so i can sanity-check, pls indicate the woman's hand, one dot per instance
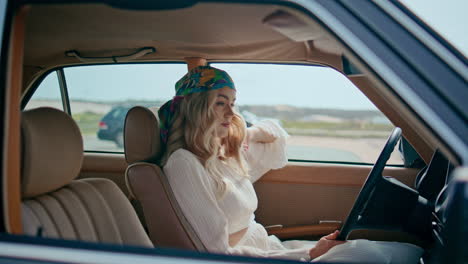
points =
(255, 134)
(324, 244)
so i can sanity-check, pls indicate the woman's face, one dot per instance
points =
(224, 104)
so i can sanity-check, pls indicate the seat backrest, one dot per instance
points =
(54, 205)
(167, 225)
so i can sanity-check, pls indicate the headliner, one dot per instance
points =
(215, 31)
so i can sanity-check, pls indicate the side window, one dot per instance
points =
(100, 97)
(327, 117)
(47, 94)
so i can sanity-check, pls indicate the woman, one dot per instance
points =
(211, 160)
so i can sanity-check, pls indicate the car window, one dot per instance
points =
(326, 116)
(47, 94)
(100, 97)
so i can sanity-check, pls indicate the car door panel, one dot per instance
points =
(307, 194)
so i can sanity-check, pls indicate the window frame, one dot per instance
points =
(64, 96)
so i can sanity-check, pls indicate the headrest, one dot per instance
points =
(142, 141)
(52, 151)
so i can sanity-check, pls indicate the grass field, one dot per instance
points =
(88, 122)
(346, 125)
(347, 129)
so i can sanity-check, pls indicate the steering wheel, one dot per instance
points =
(374, 177)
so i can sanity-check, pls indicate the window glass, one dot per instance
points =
(100, 97)
(47, 94)
(327, 117)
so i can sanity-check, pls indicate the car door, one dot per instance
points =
(309, 200)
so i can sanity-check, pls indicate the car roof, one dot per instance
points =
(212, 31)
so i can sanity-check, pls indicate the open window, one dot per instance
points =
(327, 116)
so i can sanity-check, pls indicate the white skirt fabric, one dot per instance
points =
(353, 251)
(366, 251)
(256, 242)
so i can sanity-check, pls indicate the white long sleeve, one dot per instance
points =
(262, 157)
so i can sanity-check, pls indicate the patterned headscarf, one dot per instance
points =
(199, 79)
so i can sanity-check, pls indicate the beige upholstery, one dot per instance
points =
(147, 183)
(139, 141)
(56, 206)
(48, 163)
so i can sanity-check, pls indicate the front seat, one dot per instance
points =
(146, 182)
(54, 205)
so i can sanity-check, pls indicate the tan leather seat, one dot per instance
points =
(165, 221)
(57, 206)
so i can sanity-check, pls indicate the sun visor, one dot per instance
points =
(292, 26)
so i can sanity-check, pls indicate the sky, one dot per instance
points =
(316, 87)
(303, 86)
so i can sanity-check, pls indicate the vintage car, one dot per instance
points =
(374, 101)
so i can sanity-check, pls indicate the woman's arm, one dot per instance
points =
(257, 135)
(266, 148)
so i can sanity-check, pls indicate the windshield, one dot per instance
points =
(447, 17)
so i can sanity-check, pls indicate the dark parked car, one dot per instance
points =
(111, 125)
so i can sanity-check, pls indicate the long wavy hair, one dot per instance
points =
(194, 129)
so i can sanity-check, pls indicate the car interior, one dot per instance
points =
(91, 209)
(57, 189)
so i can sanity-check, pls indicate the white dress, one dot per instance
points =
(213, 218)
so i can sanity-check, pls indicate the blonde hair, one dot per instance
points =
(194, 129)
